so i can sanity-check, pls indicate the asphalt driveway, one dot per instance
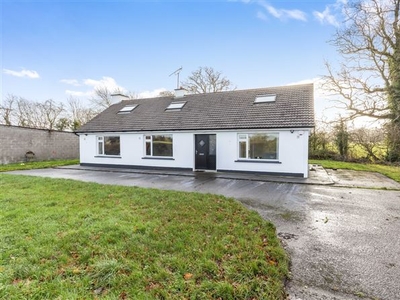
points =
(344, 240)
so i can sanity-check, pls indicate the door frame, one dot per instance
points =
(207, 169)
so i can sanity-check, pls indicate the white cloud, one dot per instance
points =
(272, 10)
(79, 94)
(281, 14)
(107, 82)
(295, 14)
(73, 82)
(151, 94)
(326, 17)
(261, 16)
(331, 13)
(93, 84)
(284, 14)
(23, 73)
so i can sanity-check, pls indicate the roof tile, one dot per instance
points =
(293, 108)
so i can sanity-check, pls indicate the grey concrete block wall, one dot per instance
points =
(46, 144)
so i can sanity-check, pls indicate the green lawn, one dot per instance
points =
(389, 171)
(38, 165)
(64, 239)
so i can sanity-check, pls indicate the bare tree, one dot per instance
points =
(166, 94)
(320, 138)
(368, 81)
(45, 115)
(79, 114)
(26, 114)
(102, 98)
(50, 112)
(33, 114)
(7, 110)
(370, 140)
(207, 80)
(63, 124)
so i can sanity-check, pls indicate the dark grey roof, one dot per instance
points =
(293, 108)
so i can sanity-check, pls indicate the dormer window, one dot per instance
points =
(176, 105)
(127, 109)
(265, 98)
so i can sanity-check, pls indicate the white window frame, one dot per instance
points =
(245, 137)
(265, 98)
(100, 140)
(176, 105)
(148, 138)
(127, 109)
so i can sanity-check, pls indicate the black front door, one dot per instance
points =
(205, 151)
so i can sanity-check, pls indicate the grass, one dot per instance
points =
(38, 165)
(392, 172)
(64, 239)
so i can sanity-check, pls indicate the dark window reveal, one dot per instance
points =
(159, 145)
(108, 145)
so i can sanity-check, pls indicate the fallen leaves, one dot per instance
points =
(25, 282)
(272, 262)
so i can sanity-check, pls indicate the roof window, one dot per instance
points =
(127, 109)
(176, 105)
(265, 98)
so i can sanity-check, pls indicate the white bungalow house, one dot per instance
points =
(262, 130)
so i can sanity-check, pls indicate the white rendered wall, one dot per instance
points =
(133, 150)
(293, 152)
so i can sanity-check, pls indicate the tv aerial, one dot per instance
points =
(176, 72)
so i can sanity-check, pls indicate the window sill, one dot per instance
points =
(262, 161)
(107, 156)
(158, 158)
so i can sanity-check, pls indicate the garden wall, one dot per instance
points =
(16, 141)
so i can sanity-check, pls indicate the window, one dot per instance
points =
(258, 146)
(265, 98)
(176, 105)
(159, 145)
(127, 109)
(108, 145)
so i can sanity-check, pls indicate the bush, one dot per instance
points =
(323, 154)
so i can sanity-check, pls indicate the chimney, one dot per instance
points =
(180, 93)
(116, 98)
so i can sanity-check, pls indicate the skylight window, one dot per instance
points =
(265, 98)
(176, 105)
(127, 109)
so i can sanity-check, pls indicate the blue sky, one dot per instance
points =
(55, 49)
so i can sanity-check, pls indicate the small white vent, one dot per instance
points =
(176, 105)
(127, 109)
(265, 98)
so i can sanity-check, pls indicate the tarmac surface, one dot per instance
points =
(340, 228)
